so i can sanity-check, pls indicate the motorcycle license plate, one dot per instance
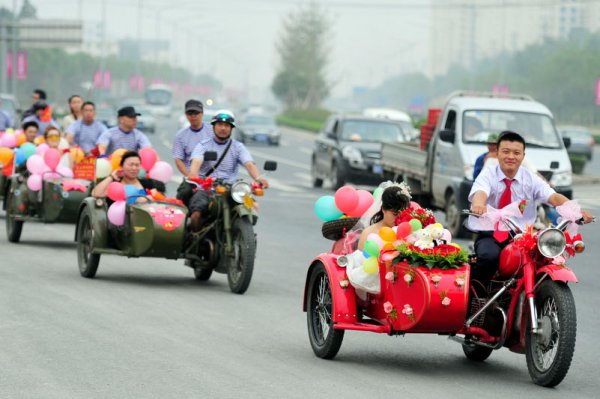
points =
(262, 137)
(377, 169)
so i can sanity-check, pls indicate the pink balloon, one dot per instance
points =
(52, 158)
(414, 205)
(34, 182)
(149, 157)
(8, 140)
(116, 191)
(116, 212)
(404, 229)
(365, 200)
(49, 176)
(346, 199)
(446, 235)
(65, 171)
(376, 238)
(41, 149)
(161, 171)
(36, 164)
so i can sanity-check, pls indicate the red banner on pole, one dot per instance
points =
(98, 79)
(106, 79)
(9, 62)
(22, 65)
(140, 83)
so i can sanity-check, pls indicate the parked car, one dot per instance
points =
(582, 140)
(400, 117)
(259, 128)
(106, 115)
(146, 122)
(348, 149)
(10, 105)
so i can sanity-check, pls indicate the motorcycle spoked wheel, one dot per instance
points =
(13, 227)
(550, 352)
(241, 265)
(324, 339)
(86, 260)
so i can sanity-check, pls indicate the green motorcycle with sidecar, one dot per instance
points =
(159, 229)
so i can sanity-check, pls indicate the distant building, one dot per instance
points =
(466, 31)
(49, 33)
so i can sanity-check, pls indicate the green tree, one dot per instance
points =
(28, 11)
(300, 82)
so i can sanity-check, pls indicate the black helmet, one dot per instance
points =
(223, 116)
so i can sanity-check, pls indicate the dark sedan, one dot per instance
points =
(582, 140)
(258, 128)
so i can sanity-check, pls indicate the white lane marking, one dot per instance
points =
(280, 159)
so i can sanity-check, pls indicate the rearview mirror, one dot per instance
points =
(210, 156)
(331, 135)
(270, 166)
(567, 141)
(447, 135)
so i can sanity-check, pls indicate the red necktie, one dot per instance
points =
(505, 199)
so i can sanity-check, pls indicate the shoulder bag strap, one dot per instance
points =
(215, 166)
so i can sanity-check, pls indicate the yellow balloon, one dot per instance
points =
(437, 225)
(39, 140)
(103, 168)
(77, 154)
(454, 245)
(387, 234)
(115, 158)
(371, 265)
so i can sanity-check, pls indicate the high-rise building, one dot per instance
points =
(464, 32)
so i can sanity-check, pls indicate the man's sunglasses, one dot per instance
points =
(192, 113)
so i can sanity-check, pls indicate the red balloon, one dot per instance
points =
(414, 205)
(403, 230)
(148, 157)
(346, 199)
(365, 200)
(116, 191)
(52, 158)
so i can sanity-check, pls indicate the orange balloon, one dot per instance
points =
(388, 246)
(21, 139)
(6, 155)
(39, 140)
(77, 154)
(115, 158)
(387, 234)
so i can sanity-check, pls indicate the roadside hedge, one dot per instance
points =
(311, 120)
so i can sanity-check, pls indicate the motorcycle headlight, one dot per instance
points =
(551, 243)
(561, 179)
(239, 191)
(352, 154)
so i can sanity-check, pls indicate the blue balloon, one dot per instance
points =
(28, 149)
(326, 210)
(366, 254)
(20, 157)
(142, 173)
(131, 190)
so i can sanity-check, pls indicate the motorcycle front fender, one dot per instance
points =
(242, 212)
(343, 295)
(558, 273)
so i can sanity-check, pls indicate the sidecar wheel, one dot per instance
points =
(202, 273)
(324, 339)
(476, 353)
(13, 227)
(86, 260)
(241, 265)
(549, 353)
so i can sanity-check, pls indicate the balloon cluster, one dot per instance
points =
(347, 202)
(116, 211)
(151, 166)
(44, 165)
(9, 140)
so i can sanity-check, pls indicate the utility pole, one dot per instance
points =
(3, 41)
(14, 32)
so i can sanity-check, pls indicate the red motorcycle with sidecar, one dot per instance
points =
(527, 307)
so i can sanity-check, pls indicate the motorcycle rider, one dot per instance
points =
(228, 160)
(125, 135)
(501, 185)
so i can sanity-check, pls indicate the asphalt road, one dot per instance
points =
(145, 328)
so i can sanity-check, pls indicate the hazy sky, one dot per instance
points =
(235, 39)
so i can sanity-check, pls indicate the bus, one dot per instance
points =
(159, 99)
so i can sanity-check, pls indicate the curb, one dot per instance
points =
(585, 179)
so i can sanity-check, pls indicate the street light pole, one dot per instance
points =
(14, 50)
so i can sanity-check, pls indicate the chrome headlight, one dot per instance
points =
(239, 191)
(352, 154)
(551, 243)
(561, 179)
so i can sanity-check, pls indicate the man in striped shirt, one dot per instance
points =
(125, 135)
(237, 154)
(85, 132)
(39, 108)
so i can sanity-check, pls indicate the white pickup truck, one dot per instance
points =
(441, 176)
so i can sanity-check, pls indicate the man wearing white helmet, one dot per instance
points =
(230, 155)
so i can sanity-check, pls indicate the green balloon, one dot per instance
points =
(377, 193)
(415, 224)
(372, 248)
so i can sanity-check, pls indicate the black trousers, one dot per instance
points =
(488, 251)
